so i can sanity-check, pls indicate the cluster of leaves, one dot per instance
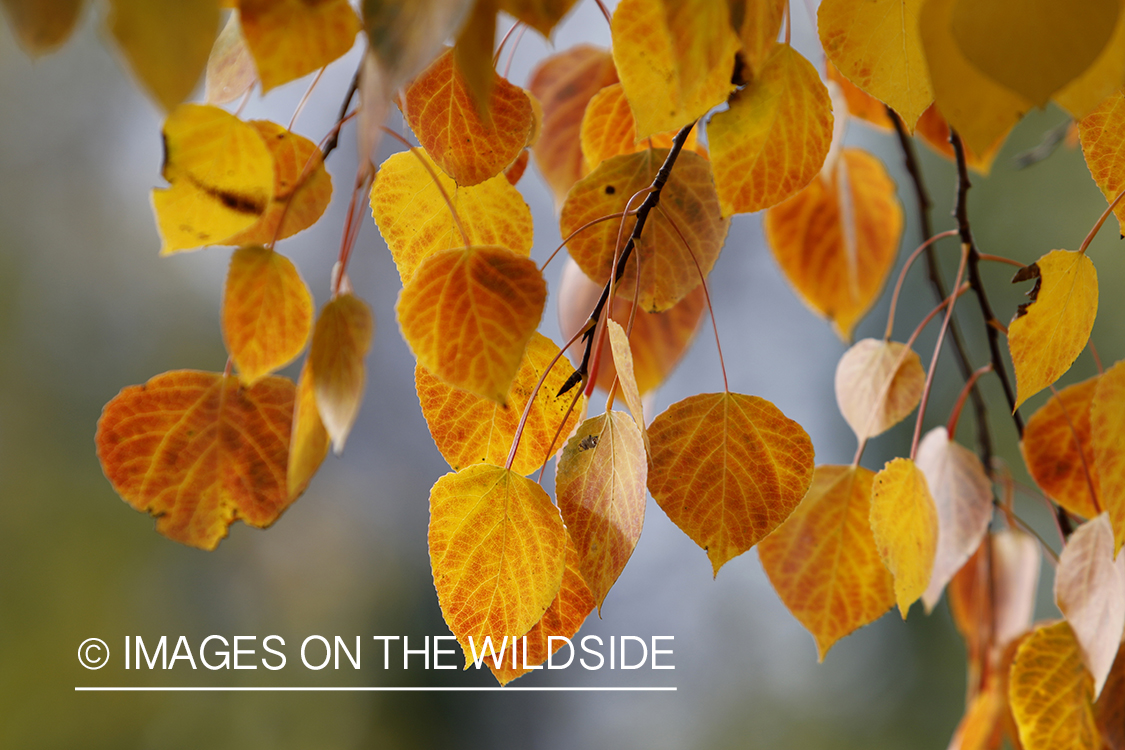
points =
(645, 204)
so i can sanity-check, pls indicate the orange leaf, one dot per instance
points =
(199, 451)
(1049, 333)
(1051, 693)
(340, 342)
(309, 440)
(688, 201)
(40, 26)
(230, 67)
(878, 383)
(728, 469)
(1110, 708)
(513, 173)
(773, 139)
(623, 364)
(905, 525)
(291, 38)
(416, 222)
(440, 110)
(836, 240)
(823, 562)
(1103, 140)
(934, 132)
(1107, 428)
(758, 23)
(541, 15)
(498, 552)
(608, 129)
(980, 727)
(1058, 451)
(468, 314)
(470, 429)
(267, 312)
(860, 104)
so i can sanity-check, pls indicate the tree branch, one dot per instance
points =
(335, 140)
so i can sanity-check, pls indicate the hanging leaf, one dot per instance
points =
(292, 38)
(728, 469)
(340, 342)
(980, 727)
(199, 451)
(758, 22)
(309, 442)
(1110, 709)
(230, 67)
(1107, 429)
(473, 50)
(1103, 138)
(608, 129)
(823, 561)
(878, 383)
(41, 26)
(513, 173)
(1084, 93)
(905, 525)
(861, 105)
(623, 364)
(934, 132)
(541, 15)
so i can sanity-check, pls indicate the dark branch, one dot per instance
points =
(335, 140)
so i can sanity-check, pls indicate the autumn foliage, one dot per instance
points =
(701, 111)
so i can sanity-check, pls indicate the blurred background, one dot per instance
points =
(87, 307)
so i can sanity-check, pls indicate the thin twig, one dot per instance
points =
(335, 141)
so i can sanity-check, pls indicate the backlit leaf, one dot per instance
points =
(440, 110)
(836, 240)
(823, 561)
(498, 553)
(221, 175)
(470, 429)
(601, 490)
(230, 67)
(772, 140)
(198, 451)
(860, 104)
(1049, 333)
(292, 38)
(623, 363)
(340, 341)
(905, 525)
(1084, 93)
(42, 25)
(688, 200)
(608, 129)
(962, 495)
(515, 171)
(468, 314)
(267, 312)
(416, 222)
(1051, 692)
(674, 58)
(1107, 429)
(878, 383)
(1103, 139)
(309, 440)
(758, 22)
(934, 132)
(728, 469)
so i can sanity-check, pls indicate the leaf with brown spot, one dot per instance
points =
(292, 38)
(230, 67)
(905, 525)
(199, 451)
(340, 342)
(608, 129)
(309, 443)
(878, 383)
(1107, 429)
(41, 26)
(728, 469)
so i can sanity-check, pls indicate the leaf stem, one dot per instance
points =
(352, 226)
(902, 276)
(579, 230)
(1105, 215)
(305, 99)
(605, 12)
(340, 118)
(1001, 259)
(955, 415)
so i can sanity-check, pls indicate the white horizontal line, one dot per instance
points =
(367, 689)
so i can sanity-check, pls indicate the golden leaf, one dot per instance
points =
(292, 38)
(340, 341)
(905, 525)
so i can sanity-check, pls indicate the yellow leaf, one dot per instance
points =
(601, 490)
(166, 43)
(878, 383)
(688, 200)
(468, 314)
(608, 129)
(860, 104)
(1107, 429)
(267, 312)
(230, 67)
(1101, 79)
(934, 132)
(197, 450)
(728, 469)
(470, 429)
(498, 553)
(1049, 332)
(675, 59)
(823, 561)
(876, 45)
(291, 38)
(1103, 140)
(309, 440)
(1052, 693)
(773, 139)
(623, 363)
(836, 240)
(1059, 452)
(221, 175)
(41, 26)
(758, 23)
(340, 341)
(416, 222)
(905, 524)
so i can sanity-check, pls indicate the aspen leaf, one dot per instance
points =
(876, 45)
(416, 222)
(440, 110)
(758, 22)
(292, 38)
(878, 383)
(41, 26)
(340, 341)
(1090, 592)
(728, 469)
(468, 314)
(608, 129)
(1049, 332)
(267, 312)
(563, 618)
(934, 132)
(309, 440)
(962, 495)
(836, 240)
(861, 105)
(166, 43)
(1110, 708)
(470, 429)
(823, 562)
(1051, 692)
(230, 69)
(623, 363)
(1105, 76)
(472, 53)
(541, 15)
(514, 173)
(600, 485)
(904, 522)
(221, 175)
(772, 140)
(1058, 450)
(688, 200)
(674, 58)
(979, 728)
(498, 553)
(1107, 429)
(1103, 138)
(564, 83)
(198, 451)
